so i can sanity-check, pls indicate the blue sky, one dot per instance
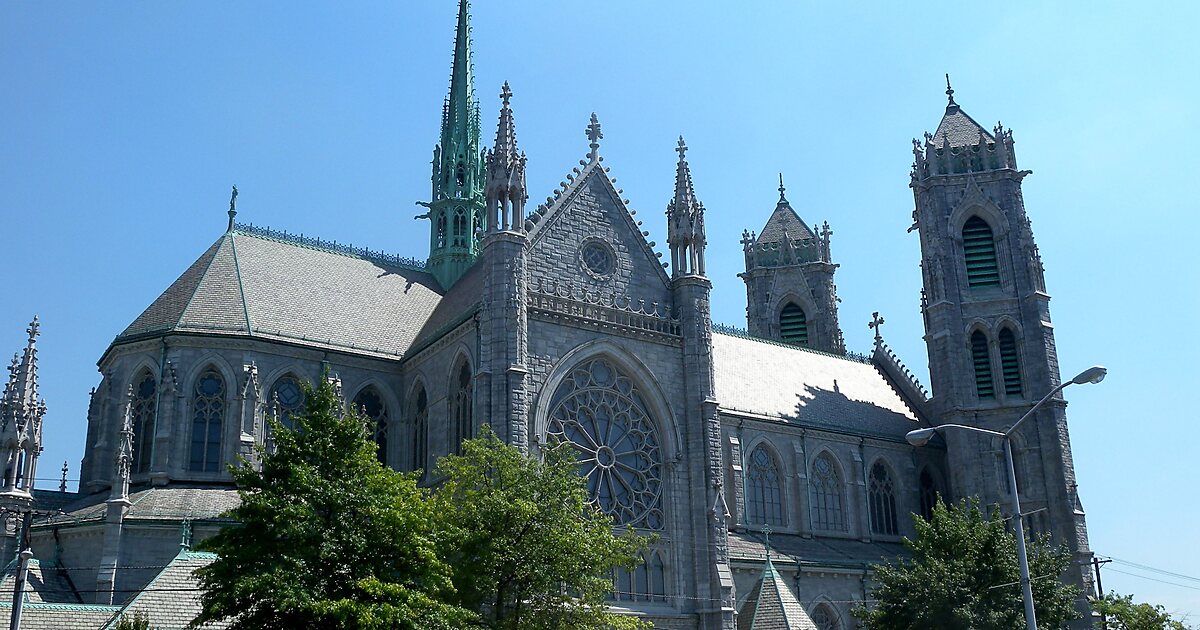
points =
(122, 127)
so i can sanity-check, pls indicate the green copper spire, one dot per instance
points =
(456, 210)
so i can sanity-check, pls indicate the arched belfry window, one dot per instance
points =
(764, 503)
(420, 430)
(646, 583)
(828, 495)
(981, 358)
(882, 497)
(793, 324)
(370, 404)
(1009, 363)
(208, 417)
(824, 617)
(461, 406)
(441, 229)
(460, 227)
(930, 493)
(979, 249)
(142, 411)
(288, 394)
(599, 410)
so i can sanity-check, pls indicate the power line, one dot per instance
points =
(1155, 570)
(1146, 577)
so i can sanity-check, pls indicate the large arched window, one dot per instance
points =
(208, 416)
(930, 493)
(824, 617)
(793, 324)
(420, 430)
(979, 249)
(142, 411)
(370, 404)
(287, 399)
(460, 407)
(646, 583)
(981, 358)
(765, 500)
(882, 497)
(602, 414)
(1009, 364)
(827, 495)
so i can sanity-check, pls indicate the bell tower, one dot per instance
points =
(456, 211)
(987, 328)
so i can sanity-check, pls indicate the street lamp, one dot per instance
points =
(921, 437)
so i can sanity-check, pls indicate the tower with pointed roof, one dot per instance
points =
(21, 414)
(790, 293)
(987, 326)
(456, 210)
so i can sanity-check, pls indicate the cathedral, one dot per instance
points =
(770, 462)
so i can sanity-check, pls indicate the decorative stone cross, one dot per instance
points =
(766, 531)
(876, 323)
(681, 149)
(595, 136)
(505, 94)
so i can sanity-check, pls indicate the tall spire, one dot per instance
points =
(21, 414)
(685, 221)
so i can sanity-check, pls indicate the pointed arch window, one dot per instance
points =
(979, 249)
(421, 430)
(143, 409)
(765, 500)
(981, 357)
(882, 497)
(824, 617)
(1009, 364)
(793, 324)
(460, 227)
(287, 399)
(828, 495)
(646, 583)
(208, 419)
(930, 494)
(460, 409)
(370, 404)
(441, 229)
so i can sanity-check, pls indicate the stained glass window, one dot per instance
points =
(602, 414)
(882, 497)
(646, 583)
(208, 415)
(290, 397)
(142, 409)
(929, 493)
(827, 495)
(765, 500)
(370, 404)
(825, 618)
(421, 430)
(464, 427)
(597, 258)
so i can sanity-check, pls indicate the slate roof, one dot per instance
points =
(959, 128)
(458, 304)
(806, 387)
(784, 220)
(154, 503)
(821, 551)
(772, 606)
(44, 583)
(172, 599)
(257, 283)
(36, 616)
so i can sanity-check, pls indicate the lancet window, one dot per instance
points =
(828, 495)
(461, 406)
(646, 583)
(979, 250)
(882, 497)
(142, 409)
(765, 500)
(793, 324)
(370, 404)
(208, 418)
(421, 430)
(825, 618)
(1009, 364)
(929, 493)
(604, 416)
(289, 395)
(981, 357)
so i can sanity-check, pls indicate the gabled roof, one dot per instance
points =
(959, 129)
(784, 221)
(172, 599)
(807, 387)
(173, 503)
(772, 606)
(255, 282)
(45, 583)
(41, 616)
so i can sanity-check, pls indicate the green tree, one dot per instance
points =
(139, 621)
(326, 536)
(963, 575)
(1121, 613)
(529, 551)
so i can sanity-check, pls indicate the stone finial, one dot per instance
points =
(782, 190)
(232, 207)
(62, 482)
(595, 135)
(185, 535)
(950, 93)
(876, 325)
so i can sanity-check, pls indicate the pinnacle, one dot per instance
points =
(685, 193)
(506, 133)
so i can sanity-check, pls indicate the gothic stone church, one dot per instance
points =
(560, 320)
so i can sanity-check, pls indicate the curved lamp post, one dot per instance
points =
(921, 437)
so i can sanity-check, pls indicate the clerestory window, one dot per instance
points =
(370, 404)
(827, 495)
(882, 496)
(208, 417)
(765, 501)
(143, 410)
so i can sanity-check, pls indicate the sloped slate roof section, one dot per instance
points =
(246, 284)
(172, 599)
(772, 606)
(155, 503)
(806, 387)
(784, 220)
(38, 616)
(45, 583)
(959, 129)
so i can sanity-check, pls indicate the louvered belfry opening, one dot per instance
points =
(983, 365)
(979, 248)
(793, 324)
(1009, 363)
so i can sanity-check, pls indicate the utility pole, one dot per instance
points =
(24, 554)
(1096, 563)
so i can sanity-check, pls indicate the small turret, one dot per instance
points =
(685, 222)
(21, 414)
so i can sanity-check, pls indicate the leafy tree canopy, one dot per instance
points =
(527, 548)
(327, 537)
(1121, 613)
(964, 575)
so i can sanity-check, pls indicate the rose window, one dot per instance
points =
(600, 412)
